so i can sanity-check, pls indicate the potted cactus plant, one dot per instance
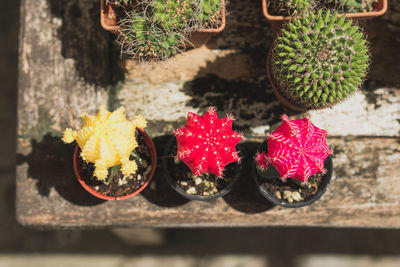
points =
(278, 11)
(114, 158)
(317, 61)
(294, 166)
(201, 161)
(159, 29)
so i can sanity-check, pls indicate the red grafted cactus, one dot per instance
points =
(206, 144)
(297, 149)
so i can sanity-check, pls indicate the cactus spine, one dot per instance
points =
(145, 41)
(319, 59)
(354, 6)
(296, 7)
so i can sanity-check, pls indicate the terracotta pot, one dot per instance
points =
(171, 177)
(95, 193)
(109, 20)
(260, 181)
(277, 21)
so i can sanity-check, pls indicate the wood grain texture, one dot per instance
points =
(68, 66)
(364, 192)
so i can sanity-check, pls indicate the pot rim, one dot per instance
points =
(152, 149)
(382, 8)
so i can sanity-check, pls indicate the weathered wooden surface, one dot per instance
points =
(69, 65)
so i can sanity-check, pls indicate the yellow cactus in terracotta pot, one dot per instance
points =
(106, 140)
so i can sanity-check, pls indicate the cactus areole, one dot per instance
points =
(319, 59)
(297, 149)
(206, 144)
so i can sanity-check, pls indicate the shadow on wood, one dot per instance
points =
(86, 42)
(159, 191)
(245, 196)
(249, 102)
(50, 164)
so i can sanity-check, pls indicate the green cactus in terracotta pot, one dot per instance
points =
(159, 29)
(319, 59)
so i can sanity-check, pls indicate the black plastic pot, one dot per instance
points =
(168, 156)
(260, 181)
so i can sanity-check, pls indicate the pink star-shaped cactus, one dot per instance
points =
(206, 143)
(297, 149)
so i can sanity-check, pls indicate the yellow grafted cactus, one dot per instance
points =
(107, 139)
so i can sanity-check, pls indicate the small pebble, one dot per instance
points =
(183, 183)
(153, 186)
(278, 195)
(296, 196)
(215, 190)
(300, 190)
(97, 188)
(191, 190)
(122, 181)
(206, 194)
(290, 200)
(144, 164)
(286, 194)
(139, 177)
(198, 180)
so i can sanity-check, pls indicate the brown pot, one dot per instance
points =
(109, 22)
(77, 166)
(277, 21)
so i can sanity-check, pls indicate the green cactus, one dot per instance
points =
(173, 14)
(184, 14)
(158, 29)
(208, 10)
(353, 6)
(296, 7)
(143, 40)
(319, 59)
